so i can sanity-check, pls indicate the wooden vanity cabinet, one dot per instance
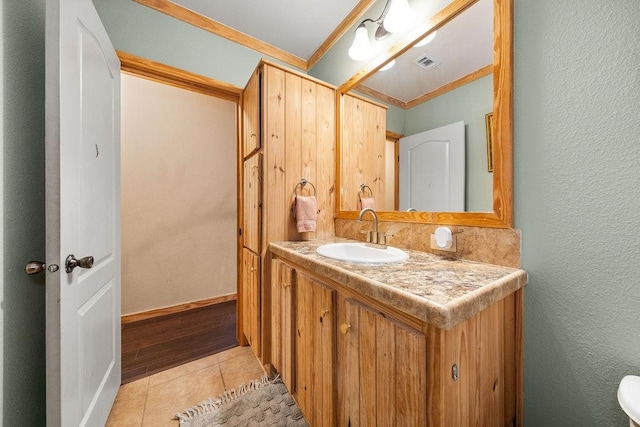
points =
(315, 350)
(388, 368)
(382, 376)
(303, 340)
(288, 133)
(475, 368)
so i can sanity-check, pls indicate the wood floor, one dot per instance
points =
(153, 345)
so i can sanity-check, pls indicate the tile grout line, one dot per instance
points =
(146, 398)
(185, 374)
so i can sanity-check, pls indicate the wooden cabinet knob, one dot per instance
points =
(252, 269)
(286, 284)
(344, 328)
(324, 312)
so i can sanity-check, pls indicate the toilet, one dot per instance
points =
(629, 398)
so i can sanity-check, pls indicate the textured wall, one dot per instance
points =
(22, 389)
(577, 202)
(179, 211)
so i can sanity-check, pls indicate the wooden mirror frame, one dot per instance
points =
(502, 215)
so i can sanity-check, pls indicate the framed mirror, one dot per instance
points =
(489, 73)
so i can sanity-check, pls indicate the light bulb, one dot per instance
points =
(426, 40)
(388, 66)
(361, 48)
(399, 18)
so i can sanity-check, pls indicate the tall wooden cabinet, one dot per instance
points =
(283, 298)
(288, 135)
(251, 293)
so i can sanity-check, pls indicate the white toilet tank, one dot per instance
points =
(629, 398)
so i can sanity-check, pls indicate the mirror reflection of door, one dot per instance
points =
(432, 170)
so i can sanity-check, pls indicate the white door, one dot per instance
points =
(432, 170)
(82, 215)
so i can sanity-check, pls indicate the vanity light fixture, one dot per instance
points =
(400, 15)
(388, 66)
(361, 49)
(426, 40)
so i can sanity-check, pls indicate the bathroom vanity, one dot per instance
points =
(427, 341)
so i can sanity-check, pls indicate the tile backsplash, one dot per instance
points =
(491, 245)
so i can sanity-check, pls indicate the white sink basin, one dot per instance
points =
(359, 252)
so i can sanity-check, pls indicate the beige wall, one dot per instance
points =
(178, 196)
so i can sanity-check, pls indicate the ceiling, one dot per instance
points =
(296, 26)
(300, 32)
(296, 32)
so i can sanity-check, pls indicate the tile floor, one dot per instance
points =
(154, 400)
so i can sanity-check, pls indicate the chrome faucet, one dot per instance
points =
(375, 218)
(373, 237)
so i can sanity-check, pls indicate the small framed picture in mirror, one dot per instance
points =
(489, 125)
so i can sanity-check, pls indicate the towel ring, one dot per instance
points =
(363, 186)
(302, 183)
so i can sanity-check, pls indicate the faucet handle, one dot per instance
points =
(369, 235)
(382, 237)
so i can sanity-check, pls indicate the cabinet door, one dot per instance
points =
(282, 318)
(315, 345)
(251, 298)
(382, 369)
(252, 202)
(251, 114)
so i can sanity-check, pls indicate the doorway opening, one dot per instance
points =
(179, 136)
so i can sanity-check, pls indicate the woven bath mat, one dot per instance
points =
(262, 402)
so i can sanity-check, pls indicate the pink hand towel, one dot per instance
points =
(367, 202)
(305, 213)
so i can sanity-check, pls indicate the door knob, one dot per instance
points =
(34, 267)
(71, 263)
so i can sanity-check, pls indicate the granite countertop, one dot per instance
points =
(431, 288)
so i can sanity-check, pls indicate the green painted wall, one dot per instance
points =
(395, 120)
(577, 202)
(22, 308)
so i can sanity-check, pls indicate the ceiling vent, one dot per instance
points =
(426, 63)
